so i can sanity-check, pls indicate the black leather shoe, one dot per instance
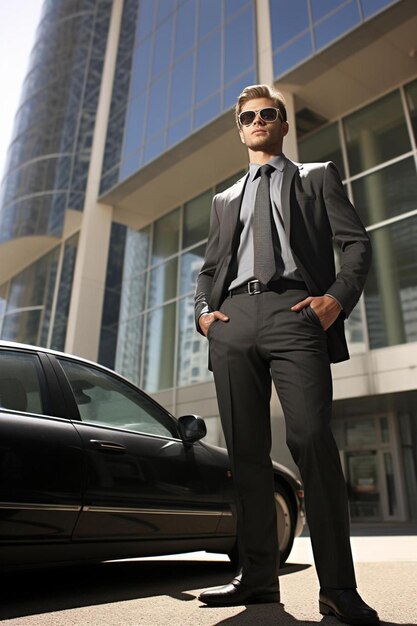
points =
(236, 593)
(347, 606)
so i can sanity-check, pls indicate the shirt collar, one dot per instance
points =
(278, 162)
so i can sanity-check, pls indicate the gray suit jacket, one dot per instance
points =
(316, 212)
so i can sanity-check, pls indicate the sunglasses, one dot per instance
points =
(269, 114)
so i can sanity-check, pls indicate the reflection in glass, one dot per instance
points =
(163, 283)
(364, 490)
(387, 192)
(166, 236)
(376, 133)
(160, 344)
(361, 432)
(196, 219)
(391, 288)
(323, 145)
(128, 359)
(22, 327)
(191, 263)
(192, 348)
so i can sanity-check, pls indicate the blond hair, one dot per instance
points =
(261, 91)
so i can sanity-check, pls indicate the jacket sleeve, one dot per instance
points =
(205, 277)
(352, 239)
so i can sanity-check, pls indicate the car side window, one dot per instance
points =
(20, 388)
(104, 399)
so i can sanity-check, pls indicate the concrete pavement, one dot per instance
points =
(162, 591)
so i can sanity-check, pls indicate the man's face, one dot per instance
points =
(263, 136)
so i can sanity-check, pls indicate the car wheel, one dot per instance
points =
(285, 523)
(285, 528)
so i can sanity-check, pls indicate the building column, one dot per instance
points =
(84, 320)
(266, 72)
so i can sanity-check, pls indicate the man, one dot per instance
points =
(269, 301)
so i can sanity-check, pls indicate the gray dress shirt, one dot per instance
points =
(286, 266)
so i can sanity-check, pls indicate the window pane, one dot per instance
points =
(320, 8)
(162, 47)
(181, 87)
(197, 219)
(210, 16)
(288, 19)
(192, 348)
(336, 24)
(372, 6)
(191, 263)
(185, 28)
(323, 145)
(376, 133)
(129, 348)
(238, 45)
(163, 283)
(386, 193)
(166, 236)
(22, 327)
(157, 108)
(19, 383)
(140, 68)
(133, 137)
(391, 288)
(104, 399)
(160, 345)
(411, 95)
(208, 68)
(293, 54)
(207, 111)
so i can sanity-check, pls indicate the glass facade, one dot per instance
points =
(187, 61)
(150, 298)
(48, 158)
(373, 149)
(301, 28)
(35, 303)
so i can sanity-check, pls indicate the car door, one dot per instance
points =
(41, 456)
(142, 480)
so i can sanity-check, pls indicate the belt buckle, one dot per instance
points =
(256, 287)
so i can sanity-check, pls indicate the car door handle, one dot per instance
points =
(108, 446)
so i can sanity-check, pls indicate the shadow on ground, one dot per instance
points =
(37, 591)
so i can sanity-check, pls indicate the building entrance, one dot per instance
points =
(370, 460)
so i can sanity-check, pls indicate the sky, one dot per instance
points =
(18, 22)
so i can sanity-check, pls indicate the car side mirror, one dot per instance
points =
(192, 428)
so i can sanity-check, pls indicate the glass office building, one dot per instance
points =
(124, 133)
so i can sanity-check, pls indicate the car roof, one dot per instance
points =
(27, 346)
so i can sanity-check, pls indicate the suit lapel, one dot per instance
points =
(287, 176)
(233, 209)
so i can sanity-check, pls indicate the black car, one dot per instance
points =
(91, 468)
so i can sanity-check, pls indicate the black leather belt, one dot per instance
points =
(253, 287)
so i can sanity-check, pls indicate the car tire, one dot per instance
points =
(285, 528)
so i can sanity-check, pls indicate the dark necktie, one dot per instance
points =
(263, 249)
